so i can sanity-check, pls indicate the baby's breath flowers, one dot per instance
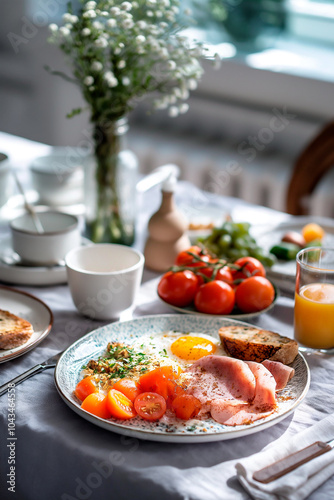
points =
(129, 49)
(120, 51)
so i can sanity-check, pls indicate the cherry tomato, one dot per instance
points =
(215, 297)
(119, 405)
(85, 387)
(208, 270)
(128, 387)
(184, 259)
(158, 380)
(174, 390)
(250, 267)
(150, 406)
(186, 406)
(178, 288)
(254, 294)
(225, 274)
(96, 403)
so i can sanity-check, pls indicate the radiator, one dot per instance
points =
(220, 169)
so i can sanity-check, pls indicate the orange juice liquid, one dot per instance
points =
(314, 315)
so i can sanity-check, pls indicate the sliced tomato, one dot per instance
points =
(119, 405)
(96, 403)
(85, 387)
(128, 387)
(174, 390)
(186, 406)
(158, 380)
(150, 405)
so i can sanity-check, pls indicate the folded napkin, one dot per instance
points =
(297, 484)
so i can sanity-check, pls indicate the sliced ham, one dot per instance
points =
(265, 397)
(282, 373)
(234, 413)
(235, 392)
(219, 377)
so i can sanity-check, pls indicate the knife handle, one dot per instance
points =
(291, 462)
(22, 377)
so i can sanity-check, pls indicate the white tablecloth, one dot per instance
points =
(59, 455)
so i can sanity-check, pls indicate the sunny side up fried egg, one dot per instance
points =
(178, 349)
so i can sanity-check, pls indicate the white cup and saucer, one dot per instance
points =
(28, 257)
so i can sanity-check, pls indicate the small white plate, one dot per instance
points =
(283, 273)
(235, 314)
(68, 372)
(203, 217)
(18, 274)
(32, 309)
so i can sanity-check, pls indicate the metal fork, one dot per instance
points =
(49, 363)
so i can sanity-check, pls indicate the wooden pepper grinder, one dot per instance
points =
(166, 228)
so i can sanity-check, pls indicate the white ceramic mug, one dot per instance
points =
(61, 234)
(104, 279)
(58, 177)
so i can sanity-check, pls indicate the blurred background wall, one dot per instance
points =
(283, 70)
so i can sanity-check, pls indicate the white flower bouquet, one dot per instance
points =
(120, 51)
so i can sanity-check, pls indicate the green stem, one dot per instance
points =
(108, 224)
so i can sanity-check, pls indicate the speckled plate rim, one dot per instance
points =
(154, 435)
(240, 316)
(9, 354)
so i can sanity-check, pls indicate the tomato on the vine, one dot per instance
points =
(225, 274)
(185, 259)
(250, 267)
(215, 297)
(254, 294)
(178, 288)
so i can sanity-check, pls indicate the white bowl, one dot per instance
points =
(58, 177)
(104, 279)
(5, 174)
(61, 234)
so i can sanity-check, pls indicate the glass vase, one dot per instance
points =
(110, 186)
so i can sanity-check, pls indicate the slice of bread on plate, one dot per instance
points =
(14, 331)
(253, 344)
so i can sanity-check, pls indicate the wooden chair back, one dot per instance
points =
(313, 163)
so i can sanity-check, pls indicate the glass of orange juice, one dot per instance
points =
(314, 299)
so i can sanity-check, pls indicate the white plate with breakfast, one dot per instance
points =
(283, 272)
(202, 353)
(25, 321)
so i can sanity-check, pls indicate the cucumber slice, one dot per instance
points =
(285, 251)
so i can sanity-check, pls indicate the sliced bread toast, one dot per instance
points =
(14, 331)
(253, 344)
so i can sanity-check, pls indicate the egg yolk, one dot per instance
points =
(192, 348)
